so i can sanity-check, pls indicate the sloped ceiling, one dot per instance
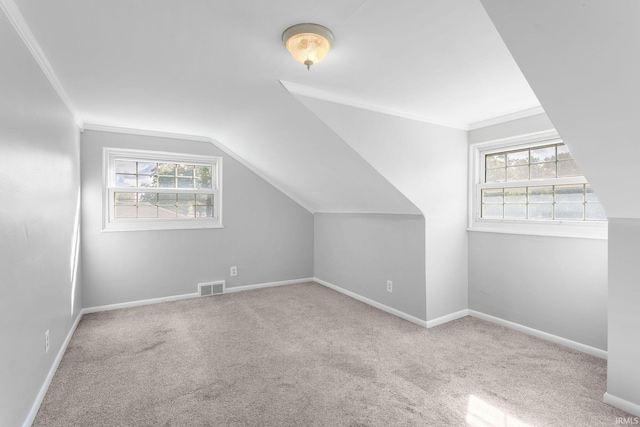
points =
(409, 153)
(581, 58)
(213, 69)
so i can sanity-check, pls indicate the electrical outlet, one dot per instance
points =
(234, 271)
(46, 341)
(389, 286)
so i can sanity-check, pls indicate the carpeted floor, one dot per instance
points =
(305, 355)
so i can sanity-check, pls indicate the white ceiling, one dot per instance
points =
(213, 68)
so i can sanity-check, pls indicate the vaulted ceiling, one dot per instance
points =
(219, 69)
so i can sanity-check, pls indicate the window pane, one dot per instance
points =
(204, 199)
(186, 199)
(125, 211)
(541, 194)
(595, 211)
(204, 211)
(569, 193)
(569, 210)
(563, 153)
(185, 182)
(147, 168)
(492, 196)
(166, 182)
(167, 199)
(203, 175)
(492, 211)
(543, 170)
(125, 180)
(125, 198)
(518, 173)
(546, 154)
(518, 158)
(515, 211)
(148, 198)
(494, 161)
(589, 194)
(540, 211)
(147, 205)
(568, 168)
(495, 175)
(515, 195)
(185, 170)
(125, 166)
(146, 181)
(167, 169)
(185, 211)
(203, 184)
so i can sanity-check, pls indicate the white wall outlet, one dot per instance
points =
(234, 271)
(46, 341)
(389, 286)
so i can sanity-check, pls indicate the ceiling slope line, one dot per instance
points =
(14, 15)
(197, 138)
(507, 118)
(323, 95)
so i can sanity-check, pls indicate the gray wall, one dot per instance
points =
(39, 190)
(360, 252)
(266, 235)
(624, 316)
(554, 284)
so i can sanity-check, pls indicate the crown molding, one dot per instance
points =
(14, 15)
(298, 89)
(148, 132)
(323, 95)
(507, 118)
(185, 137)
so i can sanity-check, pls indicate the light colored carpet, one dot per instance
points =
(305, 355)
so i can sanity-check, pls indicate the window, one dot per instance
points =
(147, 190)
(532, 187)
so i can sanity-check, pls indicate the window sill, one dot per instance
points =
(160, 225)
(590, 230)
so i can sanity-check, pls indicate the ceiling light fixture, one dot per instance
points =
(308, 43)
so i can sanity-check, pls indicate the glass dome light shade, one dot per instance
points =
(308, 43)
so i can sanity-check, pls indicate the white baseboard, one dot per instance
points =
(138, 303)
(539, 334)
(47, 382)
(373, 303)
(625, 405)
(187, 296)
(448, 318)
(267, 285)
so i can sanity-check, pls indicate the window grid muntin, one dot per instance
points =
(498, 203)
(562, 156)
(199, 208)
(497, 163)
(477, 151)
(138, 157)
(195, 177)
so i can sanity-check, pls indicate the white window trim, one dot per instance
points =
(109, 155)
(559, 228)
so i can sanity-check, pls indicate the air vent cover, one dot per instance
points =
(211, 288)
